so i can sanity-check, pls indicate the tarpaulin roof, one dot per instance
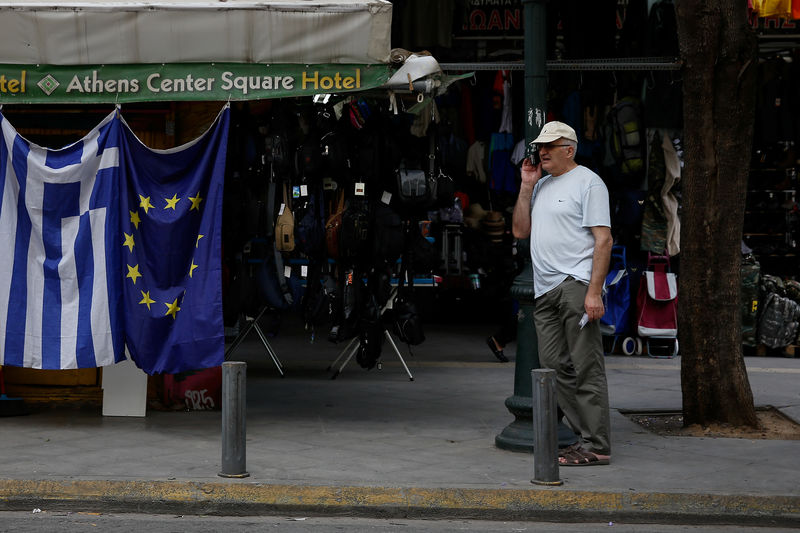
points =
(184, 31)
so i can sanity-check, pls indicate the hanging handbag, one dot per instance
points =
(333, 228)
(284, 226)
(413, 187)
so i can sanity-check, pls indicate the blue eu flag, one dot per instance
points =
(171, 212)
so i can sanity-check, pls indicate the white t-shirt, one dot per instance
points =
(563, 210)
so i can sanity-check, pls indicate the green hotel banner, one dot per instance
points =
(87, 84)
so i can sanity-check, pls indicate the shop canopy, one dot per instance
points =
(94, 32)
(94, 51)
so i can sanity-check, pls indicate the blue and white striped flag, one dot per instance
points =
(60, 270)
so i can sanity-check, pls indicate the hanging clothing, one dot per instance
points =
(773, 8)
(506, 123)
(672, 167)
(467, 120)
(476, 161)
(503, 175)
(654, 222)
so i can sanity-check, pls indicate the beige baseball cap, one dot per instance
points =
(552, 131)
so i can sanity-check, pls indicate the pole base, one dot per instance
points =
(517, 436)
(548, 483)
(243, 475)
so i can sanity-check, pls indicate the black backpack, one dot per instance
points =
(309, 233)
(308, 158)
(355, 231)
(406, 321)
(318, 298)
(347, 316)
(388, 236)
(370, 334)
(333, 153)
(662, 30)
(276, 151)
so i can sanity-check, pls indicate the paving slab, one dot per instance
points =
(374, 443)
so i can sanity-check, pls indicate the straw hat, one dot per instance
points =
(473, 216)
(494, 225)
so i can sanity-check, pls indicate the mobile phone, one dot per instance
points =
(534, 157)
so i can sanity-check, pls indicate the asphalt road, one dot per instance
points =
(37, 521)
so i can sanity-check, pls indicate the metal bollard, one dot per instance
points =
(545, 434)
(234, 431)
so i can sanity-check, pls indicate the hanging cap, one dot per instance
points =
(552, 131)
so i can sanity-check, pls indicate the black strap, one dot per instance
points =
(287, 293)
(270, 229)
(431, 150)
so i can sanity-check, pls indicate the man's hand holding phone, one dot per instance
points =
(531, 170)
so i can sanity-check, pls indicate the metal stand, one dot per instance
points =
(351, 349)
(242, 334)
(350, 353)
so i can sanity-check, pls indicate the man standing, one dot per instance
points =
(566, 214)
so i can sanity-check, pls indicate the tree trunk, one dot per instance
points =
(718, 50)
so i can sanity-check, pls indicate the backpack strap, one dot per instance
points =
(286, 198)
(270, 229)
(287, 293)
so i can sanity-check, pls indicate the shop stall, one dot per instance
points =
(308, 83)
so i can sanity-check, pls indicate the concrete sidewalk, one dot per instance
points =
(374, 443)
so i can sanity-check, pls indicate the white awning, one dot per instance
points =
(179, 31)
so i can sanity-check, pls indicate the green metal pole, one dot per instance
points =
(535, 13)
(518, 435)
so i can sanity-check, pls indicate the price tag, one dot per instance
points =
(386, 197)
(303, 271)
(304, 190)
(360, 188)
(287, 271)
(280, 211)
(329, 184)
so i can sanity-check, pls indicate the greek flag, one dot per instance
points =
(107, 245)
(59, 218)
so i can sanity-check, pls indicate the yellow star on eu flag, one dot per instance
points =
(195, 201)
(133, 273)
(135, 220)
(191, 268)
(199, 236)
(146, 299)
(172, 309)
(128, 241)
(144, 203)
(172, 202)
